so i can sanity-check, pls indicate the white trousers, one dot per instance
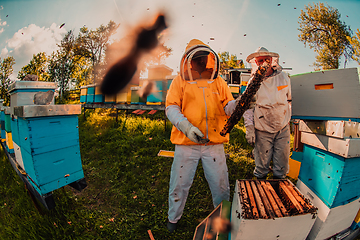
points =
(275, 146)
(183, 170)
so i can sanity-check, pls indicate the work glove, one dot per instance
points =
(191, 132)
(250, 134)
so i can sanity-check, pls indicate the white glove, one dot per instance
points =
(191, 132)
(250, 134)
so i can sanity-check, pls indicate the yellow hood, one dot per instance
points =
(212, 67)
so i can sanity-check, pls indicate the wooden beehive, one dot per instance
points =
(22, 92)
(2, 119)
(49, 145)
(326, 94)
(333, 178)
(270, 209)
(329, 221)
(83, 93)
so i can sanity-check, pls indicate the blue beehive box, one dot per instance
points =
(333, 178)
(156, 97)
(90, 95)
(49, 142)
(2, 120)
(99, 98)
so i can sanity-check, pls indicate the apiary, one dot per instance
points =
(270, 209)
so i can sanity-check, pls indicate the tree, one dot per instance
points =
(66, 66)
(355, 43)
(37, 66)
(93, 43)
(6, 69)
(227, 61)
(322, 29)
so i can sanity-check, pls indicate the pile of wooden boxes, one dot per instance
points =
(326, 106)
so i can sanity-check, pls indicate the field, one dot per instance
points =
(127, 188)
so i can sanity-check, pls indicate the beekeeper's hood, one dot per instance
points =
(194, 49)
(262, 51)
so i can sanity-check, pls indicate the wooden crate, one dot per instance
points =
(329, 221)
(271, 209)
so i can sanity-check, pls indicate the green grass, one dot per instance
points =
(127, 191)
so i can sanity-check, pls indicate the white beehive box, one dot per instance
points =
(294, 227)
(329, 221)
(327, 94)
(22, 92)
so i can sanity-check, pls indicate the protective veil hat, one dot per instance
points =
(261, 51)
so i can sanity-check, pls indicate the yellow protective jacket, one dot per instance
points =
(199, 100)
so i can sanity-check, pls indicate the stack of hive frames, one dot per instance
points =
(260, 200)
(274, 206)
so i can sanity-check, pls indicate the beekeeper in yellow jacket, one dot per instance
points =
(198, 104)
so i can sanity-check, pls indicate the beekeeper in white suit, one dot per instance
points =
(198, 104)
(267, 124)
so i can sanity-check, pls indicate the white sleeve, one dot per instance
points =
(249, 117)
(230, 107)
(174, 114)
(249, 114)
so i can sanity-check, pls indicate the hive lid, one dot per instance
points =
(28, 111)
(32, 85)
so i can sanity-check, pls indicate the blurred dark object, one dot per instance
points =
(121, 73)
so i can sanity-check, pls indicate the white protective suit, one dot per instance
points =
(182, 105)
(270, 118)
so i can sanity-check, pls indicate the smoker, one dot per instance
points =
(326, 110)
(46, 141)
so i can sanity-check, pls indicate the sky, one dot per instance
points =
(28, 27)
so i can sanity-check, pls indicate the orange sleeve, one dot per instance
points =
(225, 91)
(175, 93)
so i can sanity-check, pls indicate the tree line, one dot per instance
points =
(82, 59)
